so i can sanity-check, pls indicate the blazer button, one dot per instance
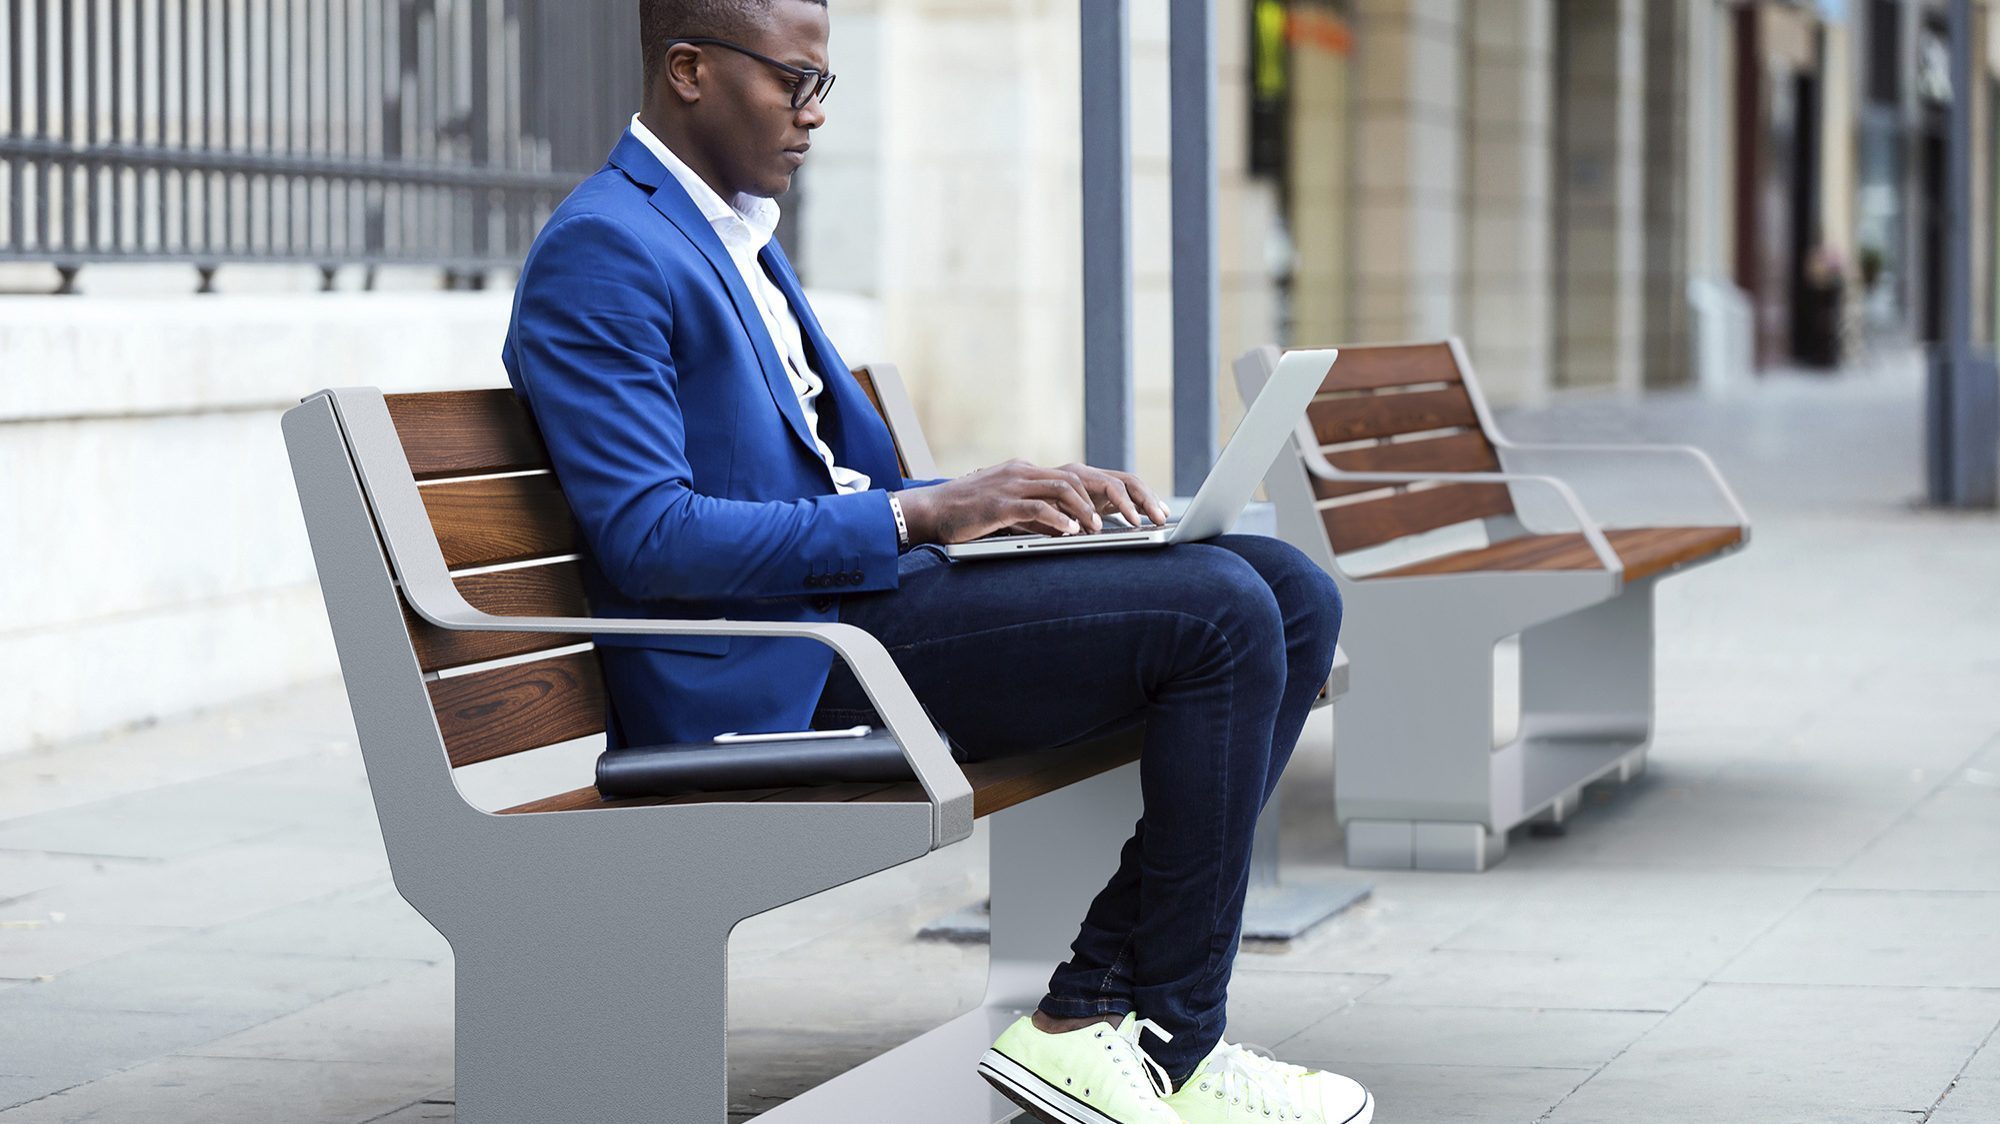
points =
(822, 604)
(854, 577)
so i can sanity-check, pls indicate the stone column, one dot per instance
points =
(1665, 360)
(1507, 314)
(1600, 207)
(1409, 157)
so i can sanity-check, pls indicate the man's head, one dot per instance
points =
(727, 113)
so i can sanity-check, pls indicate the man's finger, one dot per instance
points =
(1074, 499)
(1121, 497)
(1045, 517)
(1146, 497)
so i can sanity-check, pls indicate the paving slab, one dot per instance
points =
(1780, 1054)
(216, 886)
(30, 949)
(24, 872)
(1972, 1100)
(1510, 1038)
(1664, 921)
(312, 717)
(172, 978)
(1948, 842)
(1450, 977)
(369, 920)
(405, 1020)
(1267, 1007)
(1881, 938)
(1748, 814)
(423, 1112)
(1986, 1063)
(234, 1091)
(1472, 1094)
(47, 1047)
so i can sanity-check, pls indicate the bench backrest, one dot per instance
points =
(511, 543)
(1400, 408)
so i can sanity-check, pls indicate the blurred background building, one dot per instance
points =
(264, 197)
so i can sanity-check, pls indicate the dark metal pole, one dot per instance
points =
(1965, 403)
(1197, 350)
(1107, 235)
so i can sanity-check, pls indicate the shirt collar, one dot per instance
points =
(755, 214)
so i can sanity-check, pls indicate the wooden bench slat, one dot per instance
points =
(466, 432)
(1380, 367)
(1645, 551)
(509, 519)
(866, 378)
(1459, 452)
(1358, 526)
(507, 710)
(997, 784)
(1336, 421)
(552, 590)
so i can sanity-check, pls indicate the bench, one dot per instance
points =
(590, 937)
(1447, 538)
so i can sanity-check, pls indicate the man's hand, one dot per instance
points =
(1025, 498)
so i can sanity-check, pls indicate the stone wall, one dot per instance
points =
(157, 563)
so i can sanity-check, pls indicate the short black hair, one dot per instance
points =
(661, 20)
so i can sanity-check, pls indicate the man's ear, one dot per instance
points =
(681, 71)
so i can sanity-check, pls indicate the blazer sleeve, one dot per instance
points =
(592, 347)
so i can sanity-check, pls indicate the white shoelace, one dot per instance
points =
(1156, 1075)
(1241, 1073)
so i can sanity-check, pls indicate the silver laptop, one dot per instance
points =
(1250, 453)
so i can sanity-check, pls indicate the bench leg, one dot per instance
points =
(614, 1023)
(1413, 783)
(1590, 674)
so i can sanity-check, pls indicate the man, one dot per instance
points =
(722, 462)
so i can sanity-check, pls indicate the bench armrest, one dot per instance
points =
(1715, 498)
(907, 722)
(1592, 533)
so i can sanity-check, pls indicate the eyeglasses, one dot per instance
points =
(807, 85)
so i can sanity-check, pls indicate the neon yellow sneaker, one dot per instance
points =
(1095, 1075)
(1236, 1084)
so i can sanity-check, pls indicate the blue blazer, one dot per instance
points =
(680, 444)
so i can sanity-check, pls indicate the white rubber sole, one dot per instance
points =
(1036, 1097)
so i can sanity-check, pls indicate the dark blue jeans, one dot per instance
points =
(1220, 647)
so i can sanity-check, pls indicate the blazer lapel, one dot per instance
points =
(672, 201)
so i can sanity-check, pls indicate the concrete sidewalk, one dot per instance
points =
(1792, 917)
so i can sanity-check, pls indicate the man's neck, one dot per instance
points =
(683, 146)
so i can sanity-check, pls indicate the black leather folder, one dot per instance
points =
(673, 770)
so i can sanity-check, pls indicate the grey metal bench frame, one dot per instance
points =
(591, 946)
(1419, 782)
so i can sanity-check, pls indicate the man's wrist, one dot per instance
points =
(902, 524)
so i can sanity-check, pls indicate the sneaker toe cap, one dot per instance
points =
(1341, 1098)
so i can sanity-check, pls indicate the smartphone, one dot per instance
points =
(795, 736)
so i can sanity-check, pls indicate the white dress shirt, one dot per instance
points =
(745, 226)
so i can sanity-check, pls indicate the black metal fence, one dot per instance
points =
(333, 132)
